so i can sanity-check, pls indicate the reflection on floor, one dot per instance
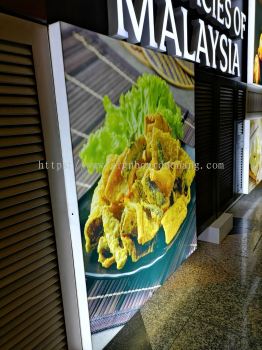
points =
(214, 301)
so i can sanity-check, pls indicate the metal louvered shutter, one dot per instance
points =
(231, 115)
(220, 110)
(31, 308)
(205, 150)
(253, 101)
(225, 151)
(239, 134)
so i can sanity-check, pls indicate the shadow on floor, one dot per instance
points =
(214, 300)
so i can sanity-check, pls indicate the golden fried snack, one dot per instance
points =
(177, 168)
(98, 198)
(173, 219)
(132, 155)
(163, 147)
(128, 228)
(187, 195)
(112, 235)
(256, 70)
(128, 225)
(132, 160)
(116, 187)
(155, 121)
(259, 51)
(105, 257)
(93, 229)
(189, 167)
(129, 244)
(141, 221)
(140, 171)
(181, 189)
(186, 173)
(135, 250)
(148, 221)
(146, 186)
(117, 209)
(153, 193)
(139, 226)
(137, 193)
(164, 179)
(94, 226)
(131, 178)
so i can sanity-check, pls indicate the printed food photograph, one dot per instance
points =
(258, 44)
(258, 63)
(255, 160)
(133, 141)
(146, 177)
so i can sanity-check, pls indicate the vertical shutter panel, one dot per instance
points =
(205, 147)
(240, 106)
(254, 101)
(225, 154)
(220, 110)
(31, 309)
(240, 109)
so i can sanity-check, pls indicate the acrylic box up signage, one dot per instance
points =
(133, 137)
(165, 28)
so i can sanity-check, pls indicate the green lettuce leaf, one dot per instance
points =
(125, 123)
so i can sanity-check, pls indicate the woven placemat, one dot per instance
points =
(137, 52)
(170, 70)
(187, 66)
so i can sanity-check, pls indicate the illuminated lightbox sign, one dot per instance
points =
(166, 30)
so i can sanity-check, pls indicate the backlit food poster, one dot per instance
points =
(133, 138)
(255, 153)
(258, 44)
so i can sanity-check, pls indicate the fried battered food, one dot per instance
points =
(148, 221)
(164, 179)
(163, 147)
(135, 250)
(129, 220)
(153, 193)
(139, 225)
(94, 226)
(141, 220)
(99, 198)
(146, 186)
(116, 187)
(93, 229)
(189, 166)
(185, 170)
(105, 257)
(257, 72)
(112, 235)
(128, 228)
(178, 211)
(177, 168)
(134, 154)
(137, 192)
(155, 121)
(259, 50)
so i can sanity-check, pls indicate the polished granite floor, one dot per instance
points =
(214, 300)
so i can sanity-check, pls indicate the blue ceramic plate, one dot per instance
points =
(93, 267)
